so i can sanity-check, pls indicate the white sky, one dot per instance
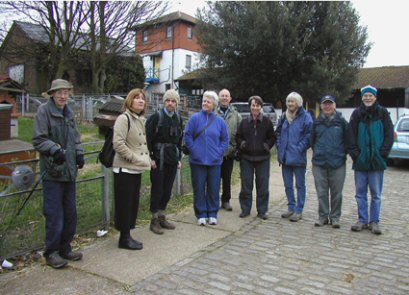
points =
(387, 23)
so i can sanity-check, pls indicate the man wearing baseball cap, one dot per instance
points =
(370, 139)
(328, 161)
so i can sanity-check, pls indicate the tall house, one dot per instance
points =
(169, 49)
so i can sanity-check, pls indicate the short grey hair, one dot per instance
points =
(212, 95)
(296, 97)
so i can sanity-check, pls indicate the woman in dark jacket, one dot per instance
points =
(255, 137)
(293, 140)
(56, 138)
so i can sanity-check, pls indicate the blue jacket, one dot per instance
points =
(209, 147)
(328, 141)
(293, 140)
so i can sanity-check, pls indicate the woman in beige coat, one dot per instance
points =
(130, 161)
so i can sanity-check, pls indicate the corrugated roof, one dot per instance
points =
(196, 74)
(384, 77)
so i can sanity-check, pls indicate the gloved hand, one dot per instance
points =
(59, 157)
(80, 161)
(243, 145)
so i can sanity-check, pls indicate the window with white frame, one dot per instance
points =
(188, 61)
(145, 36)
(189, 33)
(169, 31)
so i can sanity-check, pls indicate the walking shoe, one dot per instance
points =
(201, 221)
(226, 206)
(212, 221)
(263, 216)
(295, 217)
(287, 214)
(358, 226)
(55, 261)
(155, 226)
(129, 244)
(335, 224)
(321, 222)
(375, 228)
(243, 214)
(164, 223)
(73, 256)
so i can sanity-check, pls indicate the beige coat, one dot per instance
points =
(131, 150)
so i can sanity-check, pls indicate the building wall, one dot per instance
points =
(157, 40)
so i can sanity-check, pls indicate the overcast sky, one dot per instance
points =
(387, 22)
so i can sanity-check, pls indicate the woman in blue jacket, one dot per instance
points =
(207, 139)
(293, 140)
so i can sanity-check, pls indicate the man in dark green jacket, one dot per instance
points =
(164, 133)
(370, 139)
(56, 138)
(232, 118)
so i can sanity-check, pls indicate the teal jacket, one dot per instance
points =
(370, 137)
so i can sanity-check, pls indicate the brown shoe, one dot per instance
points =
(55, 261)
(155, 226)
(164, 223)
(73, 256)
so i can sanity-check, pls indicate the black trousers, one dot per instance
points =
(127, 192)
(161, 186)
(226, 171)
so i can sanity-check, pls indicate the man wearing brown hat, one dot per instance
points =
(56, 138)
(164, 133)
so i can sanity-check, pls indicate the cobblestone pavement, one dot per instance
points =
(282, 257)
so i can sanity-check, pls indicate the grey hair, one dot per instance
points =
(212, 95)
(296, 97)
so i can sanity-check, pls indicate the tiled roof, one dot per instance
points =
(38, 34)
(174, 16)
(383, 77)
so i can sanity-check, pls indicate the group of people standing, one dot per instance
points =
(213, 138)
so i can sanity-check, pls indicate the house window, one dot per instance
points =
(145, 36)
(188, 61)
(167, 86)
(17, 73)
(189, 32)
(169, 31)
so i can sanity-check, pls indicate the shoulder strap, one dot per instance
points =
(160, 114)
(207, 125)
(129, 121)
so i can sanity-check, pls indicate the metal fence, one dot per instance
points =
(25, 232)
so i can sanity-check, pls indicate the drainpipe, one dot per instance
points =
(173, 54)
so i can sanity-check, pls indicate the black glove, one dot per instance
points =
(59, 157)
(80, 161)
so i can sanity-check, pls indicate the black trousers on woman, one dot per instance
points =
(127, 192)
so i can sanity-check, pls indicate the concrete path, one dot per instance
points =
(246, 256)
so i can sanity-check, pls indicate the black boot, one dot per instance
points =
(126, 242)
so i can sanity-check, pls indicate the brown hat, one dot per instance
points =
(59, 84)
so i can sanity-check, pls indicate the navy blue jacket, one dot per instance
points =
(293, 140)
(328, 141)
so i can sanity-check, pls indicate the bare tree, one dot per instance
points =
(111, 31)
(62, 22)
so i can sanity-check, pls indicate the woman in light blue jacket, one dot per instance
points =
(293, 140)
(207, 139)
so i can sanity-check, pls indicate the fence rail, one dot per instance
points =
(24, 233)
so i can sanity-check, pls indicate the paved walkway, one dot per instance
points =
(246, 256)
